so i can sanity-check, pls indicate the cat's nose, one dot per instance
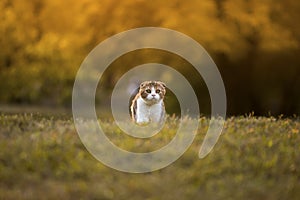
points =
(153, 95)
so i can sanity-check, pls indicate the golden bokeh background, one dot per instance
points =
(255, 45)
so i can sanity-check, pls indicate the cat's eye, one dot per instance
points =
(148, 91)
(157, 91)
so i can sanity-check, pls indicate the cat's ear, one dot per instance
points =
(142, 84)
(162, 83)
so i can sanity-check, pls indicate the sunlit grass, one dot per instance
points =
(42, 157)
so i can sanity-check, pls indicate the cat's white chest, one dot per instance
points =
(149, 113)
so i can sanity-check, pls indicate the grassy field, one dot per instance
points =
(42, 157)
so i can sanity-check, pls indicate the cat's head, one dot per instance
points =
(152, 91)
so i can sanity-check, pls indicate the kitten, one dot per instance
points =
(148, 105)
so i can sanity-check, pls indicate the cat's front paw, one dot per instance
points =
(142, 121)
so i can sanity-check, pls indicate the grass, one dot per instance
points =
(42, 157)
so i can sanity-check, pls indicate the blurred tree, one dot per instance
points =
(254, 43)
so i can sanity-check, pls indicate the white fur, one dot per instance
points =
(146, 112)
